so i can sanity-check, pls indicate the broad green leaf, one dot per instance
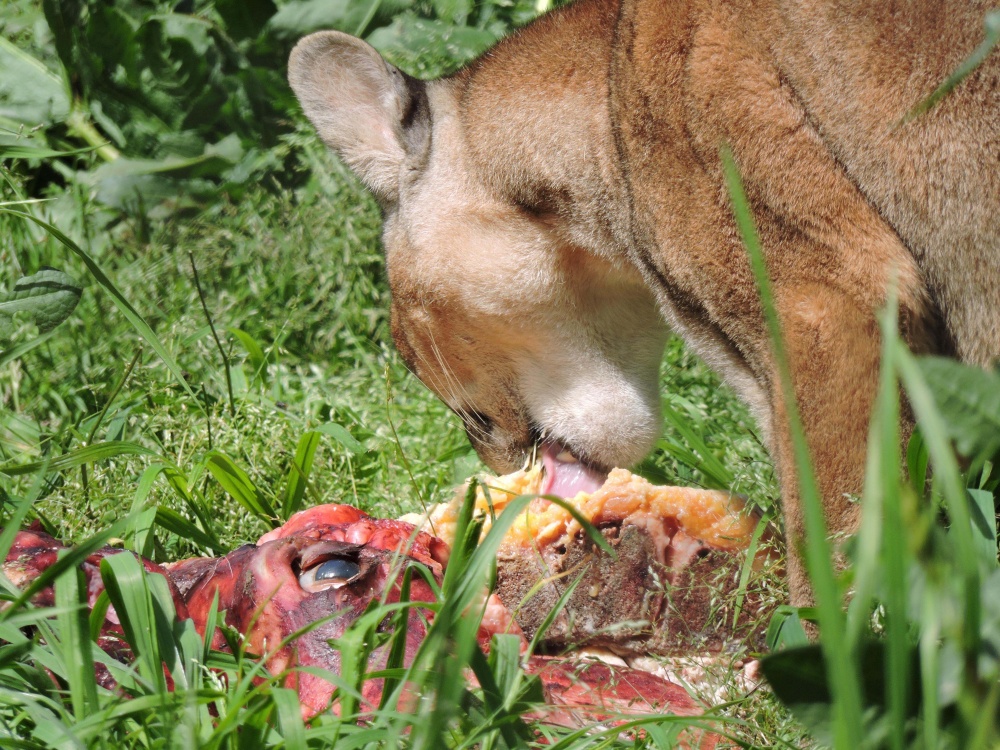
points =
(968, 400)
(800, 680)
(300, 17)
(245, 18)
(123, 183)
(215, 158)
(30, 94)
(453, 11)
(785, 629)
(432, 46)
(47, 298)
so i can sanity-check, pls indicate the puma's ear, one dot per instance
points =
(357, 102)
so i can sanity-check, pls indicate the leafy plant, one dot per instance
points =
(968, 399)
(45, 298)
(181, 103)
(39, 302)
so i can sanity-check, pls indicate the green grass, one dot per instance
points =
(293, 282)
(300, 275)
(179, 421)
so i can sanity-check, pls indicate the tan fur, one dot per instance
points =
(550, 207)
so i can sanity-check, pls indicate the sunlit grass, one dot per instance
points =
(294, 285)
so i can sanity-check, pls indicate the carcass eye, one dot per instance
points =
(330, 574)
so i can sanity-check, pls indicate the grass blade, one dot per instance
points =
(342, 436)
(991, 24)
(397, 647)
(141, 533)
(885, 440)
(74, 632)
(983, 513)
(71, 559)
(258, 360)
(240, 487)
(718, 476)
(177, 524)
(19, 350)
(298, 473)
(929, 647)
(10, 525)
(125, 581)
(747, 567)
(841, 662)
(87, 454)
(289, 714)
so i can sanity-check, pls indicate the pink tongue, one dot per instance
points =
(567, 478)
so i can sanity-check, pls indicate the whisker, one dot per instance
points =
(457, 392)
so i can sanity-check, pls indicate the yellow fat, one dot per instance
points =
(716, 518)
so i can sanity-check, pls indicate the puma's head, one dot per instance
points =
(530, 338)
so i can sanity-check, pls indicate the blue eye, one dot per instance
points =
(330, 574)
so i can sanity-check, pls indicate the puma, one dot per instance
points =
(558, 205)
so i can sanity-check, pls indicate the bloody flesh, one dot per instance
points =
(261, 591)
